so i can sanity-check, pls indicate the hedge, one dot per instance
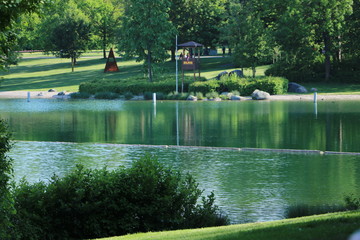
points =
(89, 204)
(135, 85)
(272, 85)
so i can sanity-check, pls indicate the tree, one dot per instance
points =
(146, 31)
(247, 35)
(197, 21)
(105, 20)
(6, 205)
(311, 31)
(69, 34)
(352, 33)
(9, 12)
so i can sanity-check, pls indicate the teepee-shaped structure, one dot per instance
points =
(111, 65)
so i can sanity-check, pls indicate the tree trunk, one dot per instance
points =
(327, 55)
(253, 70)
(150, 73)
(72, 64)
(173, 54)
(104, 44)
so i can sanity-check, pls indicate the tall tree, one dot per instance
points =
(68, 33)
(312, 30)
(9, 12)
(105, 21)
(198, 21)
(352, 33)
(247, 35)
(146, 31)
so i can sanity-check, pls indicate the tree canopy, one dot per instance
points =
(147, 31)
(307, 40)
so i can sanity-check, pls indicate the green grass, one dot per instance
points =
(332, 226)
(35, 72)
(334, 88)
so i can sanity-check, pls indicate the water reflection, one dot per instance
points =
(248, 186)
(281, 125)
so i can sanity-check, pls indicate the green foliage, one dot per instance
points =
(146, 31)
(204, 86)
(301, 210)
(80, 95)
(98, 203)
(352, 202)
(136, 85)
(272, 85)
(212, 95)
(199, 95)
(68, 33)
(128, 95)
(106, 95)
(6, 203)
(247, 35)
(10, 11)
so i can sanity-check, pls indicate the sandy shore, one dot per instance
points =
(291, 97)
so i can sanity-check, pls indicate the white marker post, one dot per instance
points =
(177, 68)
(154, 98)
(315, 97)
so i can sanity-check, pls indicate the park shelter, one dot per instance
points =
(190, 62)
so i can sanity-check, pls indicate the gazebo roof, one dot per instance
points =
(191, 44)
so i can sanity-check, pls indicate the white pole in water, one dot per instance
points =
(154, 98)
(315, 97)
(177, 68)
(28, 96)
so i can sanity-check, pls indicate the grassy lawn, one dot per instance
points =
(334, 88)
(334, 226)
(39, 72)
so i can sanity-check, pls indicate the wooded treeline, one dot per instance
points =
(304, 40)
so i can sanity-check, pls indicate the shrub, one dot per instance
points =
(237, 93)
(272, 85)
(351, 202)
(302, 210)
(212, 95)
(199, 95)
(183, 96)
(224, 97)
(80, 95)
(106, 95)
(98, 203)
(6, 206)
(137, 85)
(204, 87)
(160, 96)
(128, 95)
(148, 95)
(231, 83)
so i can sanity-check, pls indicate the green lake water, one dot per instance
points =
(52, 136)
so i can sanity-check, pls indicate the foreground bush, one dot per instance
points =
(6, 206)
(98, 203)
(350, 203)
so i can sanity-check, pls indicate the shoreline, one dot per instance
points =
(287, 97)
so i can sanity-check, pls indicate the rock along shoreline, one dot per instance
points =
(287, 97)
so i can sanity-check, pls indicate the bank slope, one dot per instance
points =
(336, 226)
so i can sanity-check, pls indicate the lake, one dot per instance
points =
(52, 136)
